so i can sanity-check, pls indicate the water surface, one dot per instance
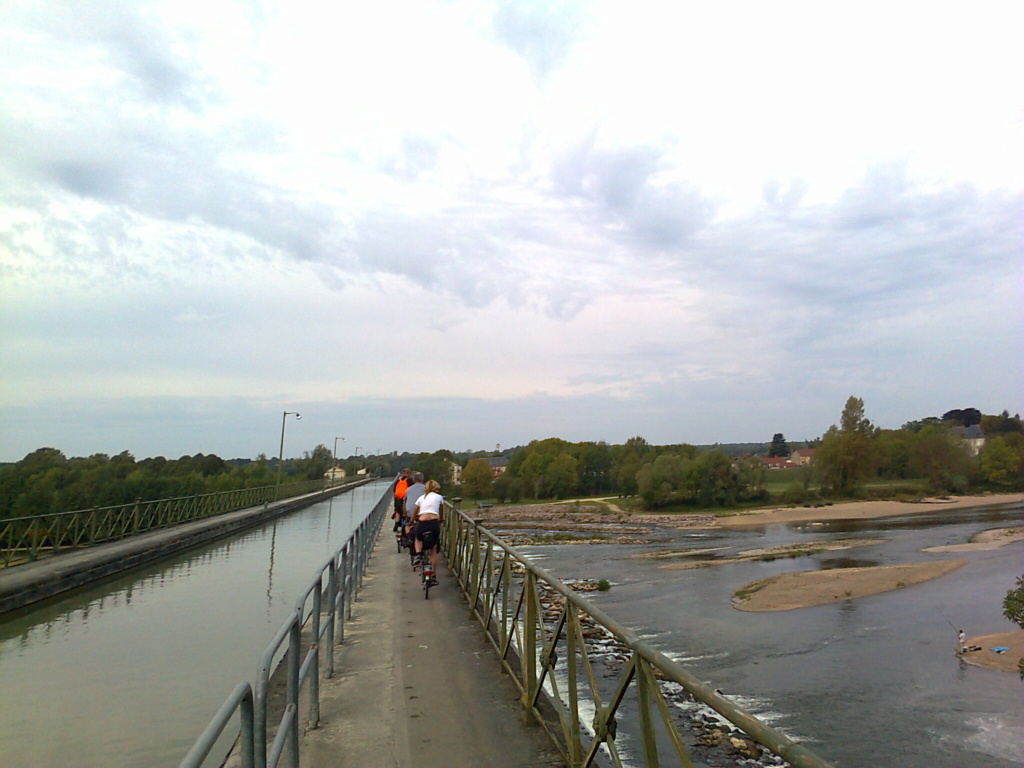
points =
(873, 681)
(126, 673)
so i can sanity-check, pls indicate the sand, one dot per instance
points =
(990, 539)
(803, 589)
(799, 549)
(1005, 662)
(862, 510)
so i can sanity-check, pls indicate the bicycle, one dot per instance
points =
(427, 575)
(403, 540)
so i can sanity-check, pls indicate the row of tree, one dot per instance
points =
(850, 455)
(931, 450)
(931, 453)
(47, 481)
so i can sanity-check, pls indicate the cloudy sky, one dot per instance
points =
(466, 223)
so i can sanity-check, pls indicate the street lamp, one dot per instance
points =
(280, 455)
(334, 458)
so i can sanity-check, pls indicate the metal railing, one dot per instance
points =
(23, 539)
(317, 621)
(550, 640)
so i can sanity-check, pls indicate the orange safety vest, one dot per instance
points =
(401, 487)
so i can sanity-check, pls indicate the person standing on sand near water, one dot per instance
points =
(960, 640)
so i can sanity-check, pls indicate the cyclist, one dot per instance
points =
(427, 517)
(415, 490)
(401, 485)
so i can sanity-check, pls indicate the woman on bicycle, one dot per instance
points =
(428, 519)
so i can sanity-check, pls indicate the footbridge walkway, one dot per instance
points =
(505, 666)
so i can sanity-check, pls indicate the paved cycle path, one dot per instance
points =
(417, 684)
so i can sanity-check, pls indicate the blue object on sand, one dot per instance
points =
(1000, 649)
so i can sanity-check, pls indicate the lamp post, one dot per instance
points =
(334, 459)
(280, 455)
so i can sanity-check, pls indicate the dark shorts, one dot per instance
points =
(426, 526)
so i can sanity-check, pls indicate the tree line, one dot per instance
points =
(927, 456)
(47, 481)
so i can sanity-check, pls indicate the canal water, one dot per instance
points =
(868, 682)
(127, 673)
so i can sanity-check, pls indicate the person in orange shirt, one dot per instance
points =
(401, 486)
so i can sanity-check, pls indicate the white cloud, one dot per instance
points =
(597, 220)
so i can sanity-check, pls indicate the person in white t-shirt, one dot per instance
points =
(428, 519)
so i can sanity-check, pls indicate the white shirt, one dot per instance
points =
(430, 504)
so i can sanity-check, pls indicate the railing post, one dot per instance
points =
(350, 577)
(643, 700)
(573, 738)
(332, 594)
(314, 667)
(529, 660)
(294, 664)
(474, 567)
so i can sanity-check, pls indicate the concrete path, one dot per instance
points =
(417, 684)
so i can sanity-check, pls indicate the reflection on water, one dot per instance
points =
(129, 672)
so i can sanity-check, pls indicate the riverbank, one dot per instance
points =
(863, 510)
(603, 516)
(1005, 661)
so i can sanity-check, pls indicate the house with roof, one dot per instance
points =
(972, 437)
(802, 457)
(498, 465)
(334, 475)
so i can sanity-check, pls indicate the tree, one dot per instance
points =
(1013, 609)
(660, 482)
(1002, 424)
(629, 458)
(964, 417)
(940, 458)
(595, 465)
(779, 448)
(853, 418)
(1002, 460)
(847, 454)
(561, 477)
(477, 479)
(317, 462)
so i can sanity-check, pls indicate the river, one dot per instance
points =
(127, 672)
(868, 682)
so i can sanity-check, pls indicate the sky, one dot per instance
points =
(467, 224)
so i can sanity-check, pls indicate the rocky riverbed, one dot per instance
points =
(712, 741)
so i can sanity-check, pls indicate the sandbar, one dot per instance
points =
(798, 549)
(990, 539)
(802, 589)
(1005, 662)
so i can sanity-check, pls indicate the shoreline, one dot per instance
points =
(863, 510)
(1004, 662)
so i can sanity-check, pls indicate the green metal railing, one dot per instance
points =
(321, 611)
(550, 640)
(23, 539)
